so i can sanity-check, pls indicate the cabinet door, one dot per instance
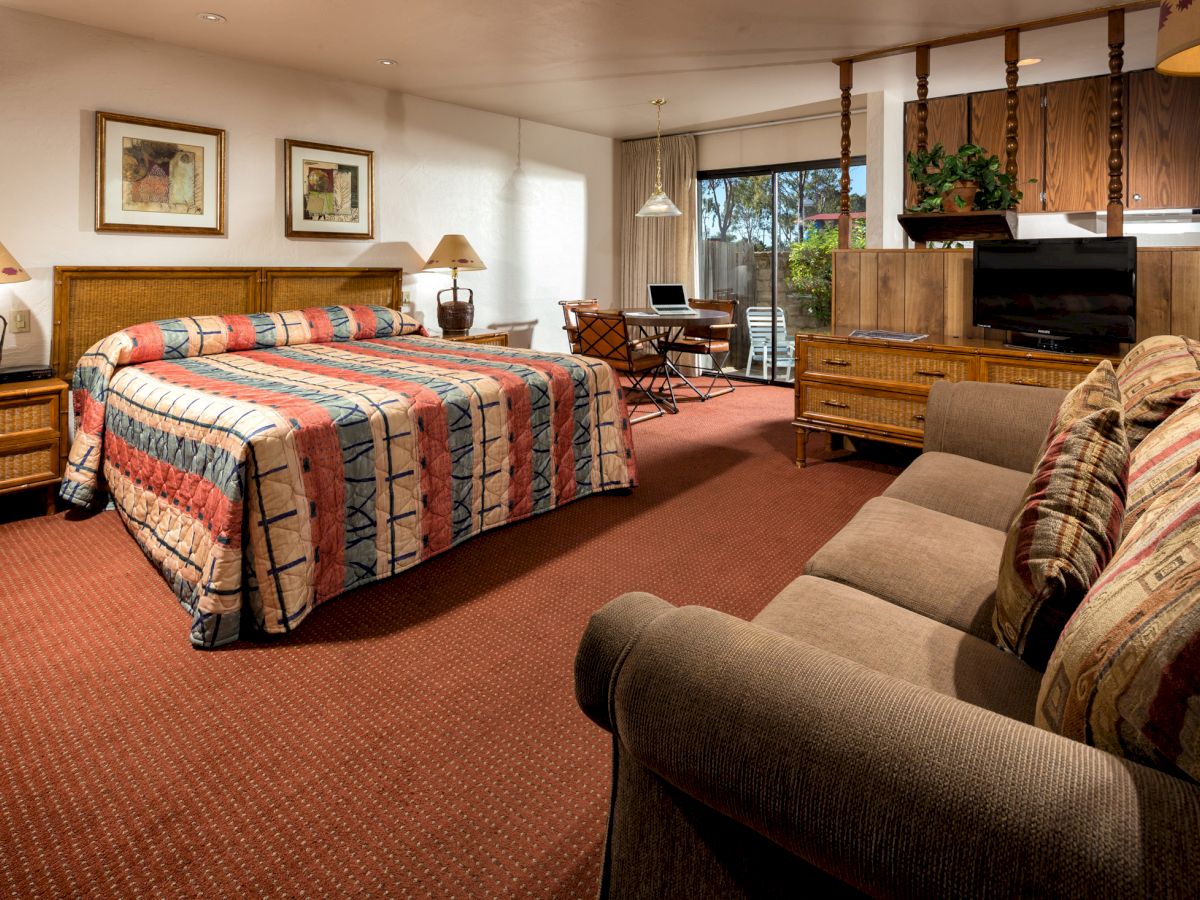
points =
(989, 113)
(1163, 123)
(1077, 145)
(947, 125)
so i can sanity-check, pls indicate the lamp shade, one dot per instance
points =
(10, 269)
(454, 251)
(659, 204)
(1178, 38)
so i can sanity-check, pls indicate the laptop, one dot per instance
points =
(669, 299)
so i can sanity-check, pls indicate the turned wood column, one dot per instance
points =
(1116, 122)
(846, 72)
(922, 99)
(1012, 53)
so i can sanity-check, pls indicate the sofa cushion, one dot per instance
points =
(926, 561)
(1124, 676)
(1164, 460)
(1157, 376)
(1099, 390)
(901, 643)
(1065, 533)
(962, 487)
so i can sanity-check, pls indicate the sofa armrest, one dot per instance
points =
(1001, 424)
(892, 788)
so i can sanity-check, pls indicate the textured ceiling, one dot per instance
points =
(584, 64)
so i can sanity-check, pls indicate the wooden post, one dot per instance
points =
(922, 98)
(1116, 122)
(846, 72)
(1012, 53)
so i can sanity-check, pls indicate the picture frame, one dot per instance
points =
(158, 177)
(329, 191)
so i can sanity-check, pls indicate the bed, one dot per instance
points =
(268, 459)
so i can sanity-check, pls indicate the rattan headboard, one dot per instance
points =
(91, 302)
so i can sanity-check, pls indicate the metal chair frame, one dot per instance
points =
(721, 305)
(604, 334)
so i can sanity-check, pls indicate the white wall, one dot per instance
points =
(804, 141)
(544, 228)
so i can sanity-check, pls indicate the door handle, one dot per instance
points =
(919, 418)
(837, 362)
(835, 404)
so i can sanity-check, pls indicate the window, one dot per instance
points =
(766, 236)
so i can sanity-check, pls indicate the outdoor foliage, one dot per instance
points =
(810, 266)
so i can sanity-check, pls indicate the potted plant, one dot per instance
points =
(956, 182)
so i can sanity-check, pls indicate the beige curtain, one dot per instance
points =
(657, 249)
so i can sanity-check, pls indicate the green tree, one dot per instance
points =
(810, 265)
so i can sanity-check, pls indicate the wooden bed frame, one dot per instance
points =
(91, 302)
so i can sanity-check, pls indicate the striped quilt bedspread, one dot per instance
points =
(269, 462)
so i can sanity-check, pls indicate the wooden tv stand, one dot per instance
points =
(877, 389)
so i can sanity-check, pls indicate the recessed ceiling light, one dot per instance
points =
(1029, 61)
(210, 17)
(387, 62)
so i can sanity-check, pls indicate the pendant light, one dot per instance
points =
(659, 203)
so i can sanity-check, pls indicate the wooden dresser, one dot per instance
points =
(33, 436)
(866, 388)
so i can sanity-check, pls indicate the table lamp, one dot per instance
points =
(455, 252)
(10, 273)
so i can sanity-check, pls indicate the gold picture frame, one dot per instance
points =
(329, 191)
(158, 177)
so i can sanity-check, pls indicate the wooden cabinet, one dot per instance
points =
(873, 389)
(989, 116)
(1163, 124)
(1077, 145)
(946, 124)
(33, 441)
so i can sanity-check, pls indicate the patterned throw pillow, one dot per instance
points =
(1164, 460)
(1157, 377)
(1098, 391)
(1124, 676)
(1067, 527)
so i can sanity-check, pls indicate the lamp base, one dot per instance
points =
(455, 317)
(455, 332)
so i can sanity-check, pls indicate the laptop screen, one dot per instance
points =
(667, 295)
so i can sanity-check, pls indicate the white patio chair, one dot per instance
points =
(759, 327)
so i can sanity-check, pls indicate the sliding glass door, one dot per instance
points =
(765, 240)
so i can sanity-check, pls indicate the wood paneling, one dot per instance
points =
(930, 291)
(947, 125)
(1163, 128)
(987, 130)
(1077, 145)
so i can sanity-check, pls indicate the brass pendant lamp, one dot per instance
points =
(659, 203)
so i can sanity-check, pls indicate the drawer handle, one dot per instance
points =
(918, 418)
(837, 362)
(929, 373)
(834, 403)
(1028, 383)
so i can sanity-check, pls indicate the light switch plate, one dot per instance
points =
(20, 321)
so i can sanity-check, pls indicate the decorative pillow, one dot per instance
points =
(1098, 391)
(1164, 460)
(1124, 677)
(1157, 377)
(1065, 532)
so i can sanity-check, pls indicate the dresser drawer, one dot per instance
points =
(870, 364)
(866, 409)
(1057, 376)
(25, 466)
(28, 414)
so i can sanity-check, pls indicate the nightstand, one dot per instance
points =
(33, 436)
(495, 338)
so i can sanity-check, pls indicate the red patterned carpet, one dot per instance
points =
(416, 737)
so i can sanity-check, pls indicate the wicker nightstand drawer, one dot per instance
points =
(28, 466)
(26, 415)
(848, 361)
(493, 338)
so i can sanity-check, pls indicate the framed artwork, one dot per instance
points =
(159, 177)
(329, 191)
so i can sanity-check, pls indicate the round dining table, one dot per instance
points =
(675, 324)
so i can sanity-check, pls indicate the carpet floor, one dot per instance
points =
(416, 737)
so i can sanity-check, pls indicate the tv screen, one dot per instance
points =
(1058, 287)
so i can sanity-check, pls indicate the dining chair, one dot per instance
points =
(569, 308)
(604, 334)
(759, 327)
(708, 340)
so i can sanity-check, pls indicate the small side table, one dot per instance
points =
(494, 338)
(33, 436)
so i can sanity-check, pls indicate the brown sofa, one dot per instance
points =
(864, 734)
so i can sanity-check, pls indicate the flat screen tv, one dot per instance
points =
(1072, 294)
